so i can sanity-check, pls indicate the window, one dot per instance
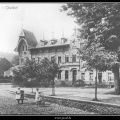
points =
(73, 58)
(59, 59)
(52, 42)
(83, 76)
(26, 47)
(22, 60)
(26, 59)
(59, 74)
(53, 58)
(23, 48)
(38, 59)
(66, 74)
(25, 53)
(91, 76)
(109, 76)
(66, 58)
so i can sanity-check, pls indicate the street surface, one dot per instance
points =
(9, 106)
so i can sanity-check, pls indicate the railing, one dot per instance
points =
(69, 63)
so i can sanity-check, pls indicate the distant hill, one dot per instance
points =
(8, 56)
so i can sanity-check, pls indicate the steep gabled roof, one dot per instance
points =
(29, 39)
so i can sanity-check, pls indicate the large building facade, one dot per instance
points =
(66, 54)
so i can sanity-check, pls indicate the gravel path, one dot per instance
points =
(9, 106)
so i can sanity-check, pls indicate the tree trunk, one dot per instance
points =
(95, 99)
(116, 79)
(32, 89)
(96, 86)
(53, 88)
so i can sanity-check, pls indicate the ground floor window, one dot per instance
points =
(91, 76)
(59, 59)
(83, 76)
(59, 74)
(110, 77)
(66, 74)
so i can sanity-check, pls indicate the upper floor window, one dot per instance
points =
(38, 59)
(23, 48)
(53, 58)
(59, 59)
(82, 45)
(73, 58)
(26, 47)
(66, 58)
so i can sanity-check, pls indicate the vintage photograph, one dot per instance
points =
(60, 59)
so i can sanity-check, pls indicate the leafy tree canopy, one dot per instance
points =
(100, 22)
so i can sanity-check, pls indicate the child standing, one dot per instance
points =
(39, 98)
(18, 96)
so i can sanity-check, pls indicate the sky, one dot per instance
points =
(43, 19)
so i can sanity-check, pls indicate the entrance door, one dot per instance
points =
(74, 75)
(100, 78)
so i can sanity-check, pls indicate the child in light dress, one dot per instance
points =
(38, 97)
(18, 95)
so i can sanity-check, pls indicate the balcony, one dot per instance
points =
(69, 64)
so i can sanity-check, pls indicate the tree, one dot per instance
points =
(26, 74)
(99, 23)
(30, 68)
(97, 58)
(18, 76)
(47, 71)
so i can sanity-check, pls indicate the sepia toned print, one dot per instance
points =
(59, 59)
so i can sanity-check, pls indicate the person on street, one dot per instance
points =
(36, 94)
(39, 99)
(22, 96)
(18, 96)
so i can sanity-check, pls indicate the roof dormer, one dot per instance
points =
(63, 40)
(53, 41)
(43, 42)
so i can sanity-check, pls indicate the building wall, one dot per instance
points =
(70, 66)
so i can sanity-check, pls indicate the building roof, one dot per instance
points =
(33, 44)
(28, 37)
(53, 43)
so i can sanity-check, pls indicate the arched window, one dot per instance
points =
(66, 74)
(23, 48)
(26, 47)
(59, 74)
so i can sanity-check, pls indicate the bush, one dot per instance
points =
(64, 84)
(44, 83)
(79, 83)
(32, 83)
(17, 80)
